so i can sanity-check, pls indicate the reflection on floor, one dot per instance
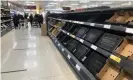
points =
(35, 55)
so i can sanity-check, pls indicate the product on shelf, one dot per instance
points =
(108, 72)
(109, 41)
(55, 32)
(80, 32)
(92, 35)
(81, 51)
(95, 62)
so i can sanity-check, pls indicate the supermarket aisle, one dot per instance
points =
(32, 57)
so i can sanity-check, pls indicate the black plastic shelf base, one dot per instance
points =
(75, 63)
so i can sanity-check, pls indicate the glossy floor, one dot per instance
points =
(34, 57)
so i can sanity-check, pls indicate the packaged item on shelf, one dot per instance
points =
(108, 72)
(81, 51)
(109, 41)
(55, 32)
(80, 32)
(93, 35)
(71, 44)
(60, 24)
(95, 62)
(125, 48)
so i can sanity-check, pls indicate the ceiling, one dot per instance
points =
(57, 4)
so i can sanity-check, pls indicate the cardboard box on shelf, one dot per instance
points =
(126, 48)
(43, 30)
(108, 72)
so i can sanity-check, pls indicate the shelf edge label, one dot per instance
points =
(78, 67)
(69, 57)
(107, 26)
(129, 30)
(81, 40)
(92, 24)
(94, 47)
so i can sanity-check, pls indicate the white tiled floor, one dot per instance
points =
(27, 49)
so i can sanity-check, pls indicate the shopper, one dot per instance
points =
(31, 19)
(25, 20)
(15, 20)
(36, 19)
(40, 20)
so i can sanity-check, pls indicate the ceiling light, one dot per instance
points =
(129, 3)
(84, 1)
(30, 2)
(53, 3)
(49, 5)
(107, 3)
(74, 4)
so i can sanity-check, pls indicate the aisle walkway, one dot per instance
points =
(32, 57)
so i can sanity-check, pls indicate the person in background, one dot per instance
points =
(36, 18)
(21, 20)
(25, 20)
(31, 19)
(40, 20)
(15, 20)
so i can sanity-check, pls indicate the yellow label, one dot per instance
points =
(115, 58)
(72, 36)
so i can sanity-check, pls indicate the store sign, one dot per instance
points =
(30, 7)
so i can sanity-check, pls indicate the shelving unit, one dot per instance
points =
(6, 19)
(108, 49)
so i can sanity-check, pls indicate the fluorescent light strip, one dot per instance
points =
(53, 3)
(74, 4)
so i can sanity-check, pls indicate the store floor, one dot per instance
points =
(26, 55)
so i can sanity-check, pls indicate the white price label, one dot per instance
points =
(94, 47)
(62, 49)
(107, 26)
(81, 22)
(55, 41)
(78, 67)
(81, 40)
(84, 58)
(58, 44)
(129, 30)
(63, 31)
(67, 33)
(69, 57)
(92, 24)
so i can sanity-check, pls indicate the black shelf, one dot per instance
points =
(76, 21)
(124, 29)
(7, 21)
(5, 31)
(97, 10)
(116, 59)
(77, 66)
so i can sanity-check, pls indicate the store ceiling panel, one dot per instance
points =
(56, 4)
